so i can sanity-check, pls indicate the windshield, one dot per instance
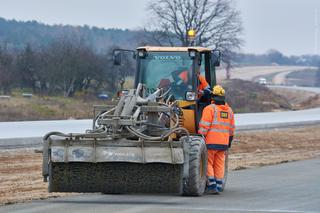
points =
(167, 70)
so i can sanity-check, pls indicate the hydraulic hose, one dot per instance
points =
(147, 137)
(70, 135)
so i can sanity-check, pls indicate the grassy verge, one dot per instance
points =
(46, 108)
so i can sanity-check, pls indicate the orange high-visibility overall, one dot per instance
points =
(203, 84)
(216, 125)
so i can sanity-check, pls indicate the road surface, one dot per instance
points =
(256, 121)
(280, 78)
(33, 129)
(29, 133)
(307, 89)
(290, 187)
(252, 72)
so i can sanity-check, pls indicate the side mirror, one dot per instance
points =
(116, 58)
(215, 58)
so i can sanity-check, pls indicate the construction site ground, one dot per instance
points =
(20, 170)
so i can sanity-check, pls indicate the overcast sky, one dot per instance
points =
(285, 25)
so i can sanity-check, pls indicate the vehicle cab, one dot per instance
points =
(176, 69)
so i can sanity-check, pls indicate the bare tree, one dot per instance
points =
(69, 66)
(28, 68)
(115, 75)
(217, 23)
(7, 78)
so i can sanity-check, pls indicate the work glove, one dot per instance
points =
(207, 92)
(200, 92)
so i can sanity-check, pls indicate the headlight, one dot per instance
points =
(192, 54)
(190, 96)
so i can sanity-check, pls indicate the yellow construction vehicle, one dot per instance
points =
(148, 142)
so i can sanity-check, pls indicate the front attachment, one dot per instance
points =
(115, 166)
(132, 148)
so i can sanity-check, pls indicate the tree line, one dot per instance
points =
(61, 68)
(82, 59)
(275, 57)
(17, 34)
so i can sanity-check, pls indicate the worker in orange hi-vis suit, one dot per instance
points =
(217, 126)
(203, 87)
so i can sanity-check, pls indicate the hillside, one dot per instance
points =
(246, 96)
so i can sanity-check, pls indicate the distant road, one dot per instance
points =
(290, 187)
(307, 89)
(251, 72)
(280, 78)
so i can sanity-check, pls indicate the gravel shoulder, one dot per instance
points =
(20, 170)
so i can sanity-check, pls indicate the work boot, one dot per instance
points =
(211, 186)
(219, 184)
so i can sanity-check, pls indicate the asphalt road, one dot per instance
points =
(256, 121)
(30, 133)
(33, 129)
(29, 129)
(251, 72)
(290, 187)
(307, 89)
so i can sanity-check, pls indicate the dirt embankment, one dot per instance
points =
(247, 96)
(253, 149)
(21, 180)
(299, 99)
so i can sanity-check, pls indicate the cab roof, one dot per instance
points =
(173, 49)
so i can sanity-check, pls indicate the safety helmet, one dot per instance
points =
(218, 91)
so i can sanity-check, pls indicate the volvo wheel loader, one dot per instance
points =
(147, 142)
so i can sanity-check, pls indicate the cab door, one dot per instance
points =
(207, 69)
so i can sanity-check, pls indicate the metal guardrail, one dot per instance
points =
(5, 97)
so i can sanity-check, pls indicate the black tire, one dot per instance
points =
(195, 183)
(225, 170)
